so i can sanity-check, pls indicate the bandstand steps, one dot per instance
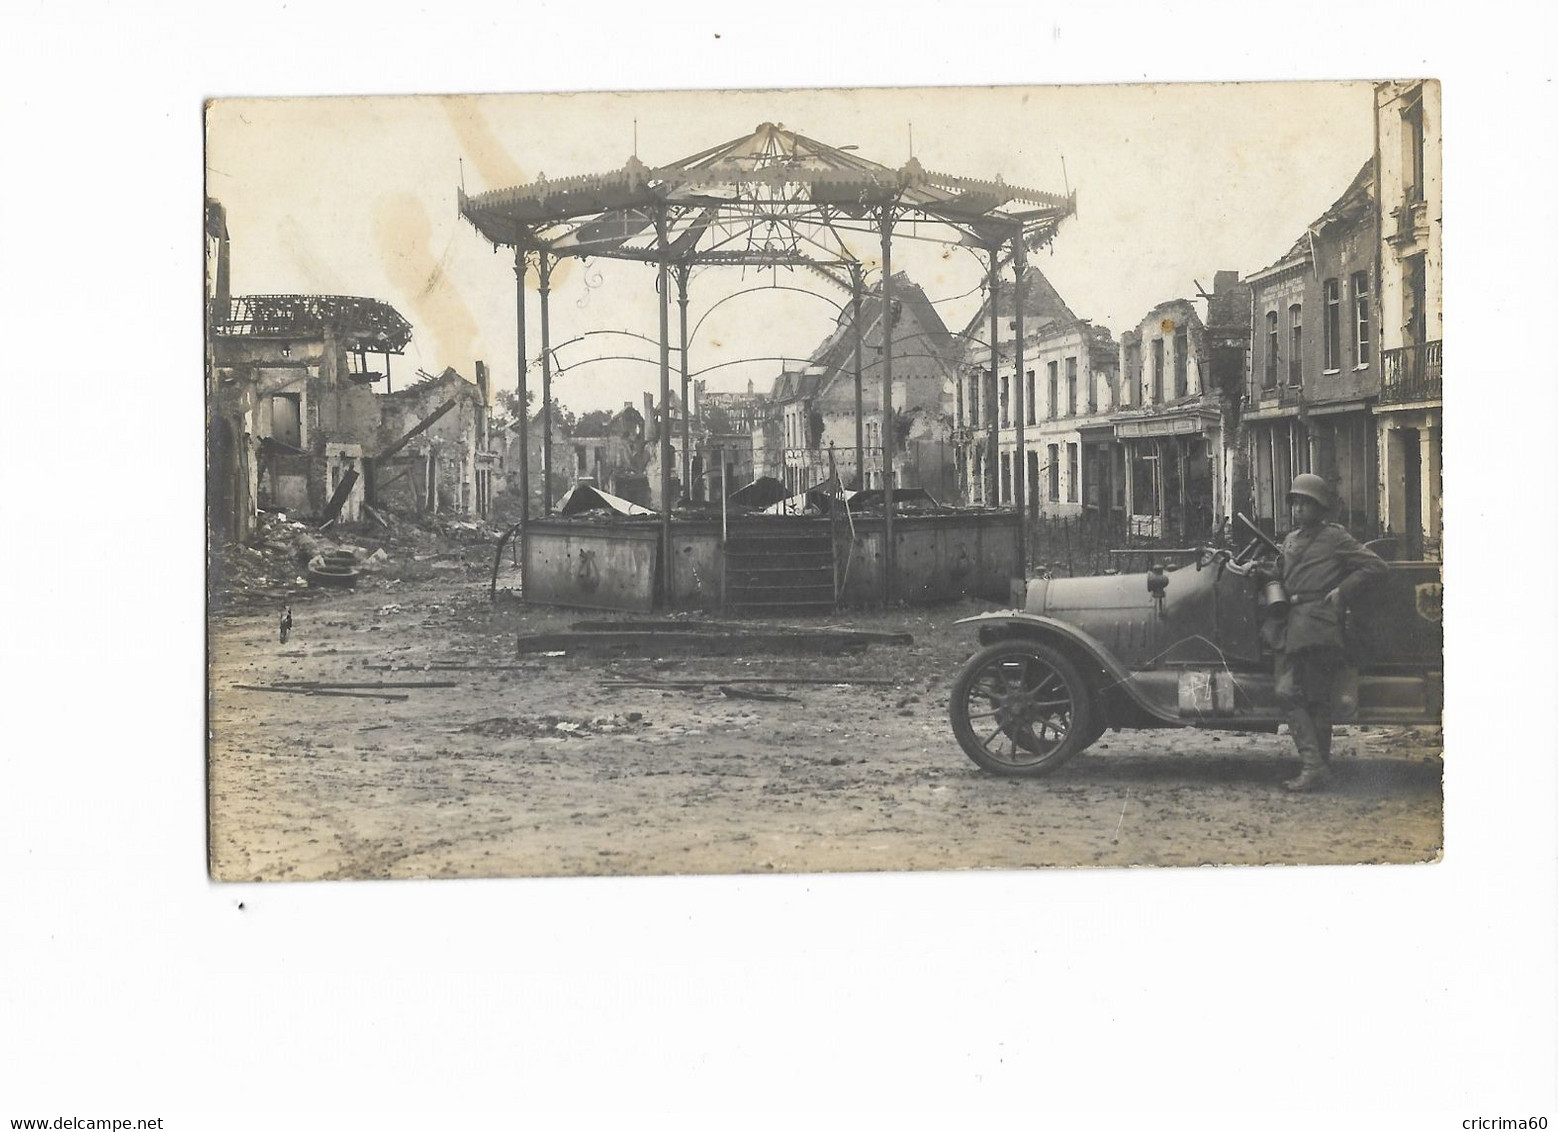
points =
(776, 572)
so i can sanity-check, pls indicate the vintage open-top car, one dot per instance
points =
(1174, 648)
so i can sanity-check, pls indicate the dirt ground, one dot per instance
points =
(537, 769)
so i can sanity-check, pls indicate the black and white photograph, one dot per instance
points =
(803, 481)
(778, 567)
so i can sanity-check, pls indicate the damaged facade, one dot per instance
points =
(449, 465)
(1314, 366)
(1130, 432)
(1410, 413)
(1170, 424)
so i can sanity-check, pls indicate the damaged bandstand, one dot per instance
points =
(773, 198)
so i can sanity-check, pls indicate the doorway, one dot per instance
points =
(1412, 491)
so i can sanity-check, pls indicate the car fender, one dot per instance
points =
(1014, 623)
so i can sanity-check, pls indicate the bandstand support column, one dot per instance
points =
(991, 485)
(667, 551)
(521, 269)
(889, 433)
(860, 415)
(682, 272)
(545, 273)
(1019, 410)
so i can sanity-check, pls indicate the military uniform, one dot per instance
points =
(1314, 562)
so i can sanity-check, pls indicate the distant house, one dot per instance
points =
(1069, 392)
(810, 432)
(613, 457)
(535, 431)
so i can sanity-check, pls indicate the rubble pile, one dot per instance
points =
(388, 546)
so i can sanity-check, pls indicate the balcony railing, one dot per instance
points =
(1412, 373)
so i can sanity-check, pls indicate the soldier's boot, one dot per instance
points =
(1312, 777)
(1307, 738)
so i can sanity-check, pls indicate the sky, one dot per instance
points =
(358, 196)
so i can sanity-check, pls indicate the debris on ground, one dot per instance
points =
(509, 727)
(766, 694)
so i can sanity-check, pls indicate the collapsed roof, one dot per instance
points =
(358, 323)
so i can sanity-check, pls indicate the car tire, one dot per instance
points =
(1000, 720)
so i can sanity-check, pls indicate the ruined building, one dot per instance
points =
(1176, 385)
(449, 465)
(303, 417)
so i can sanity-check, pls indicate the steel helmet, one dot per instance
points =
(1313, 487)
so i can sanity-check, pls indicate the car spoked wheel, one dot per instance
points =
(1021, 708)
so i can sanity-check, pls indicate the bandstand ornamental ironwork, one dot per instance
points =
(772, 198)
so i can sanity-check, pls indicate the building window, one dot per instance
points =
(1415, 324)
(1295, 344)
(1054, 473)
(1181, 363)
(286, 419)
(1071, 387)
(1412, 148)
(1054, 389)
(973, 398)
(962, 419)
(1132, 376)
(1157, 371)
(1333, 325)
(1006, 477)
(1071, 473)
(1032, 406)
(1271, 350)
(1006, 397)
(1360, 303)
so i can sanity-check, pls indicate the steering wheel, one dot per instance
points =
(1253, 548)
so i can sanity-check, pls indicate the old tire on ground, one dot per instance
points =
(1021, 708)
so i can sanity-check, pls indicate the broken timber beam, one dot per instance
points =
(624, 640)
(739, 629)
(302, 685)
(418, 429)
(324, 692)
(338, 499)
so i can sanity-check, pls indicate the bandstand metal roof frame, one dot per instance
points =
(773, 198)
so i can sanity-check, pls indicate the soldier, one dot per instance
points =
(1321, 567)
